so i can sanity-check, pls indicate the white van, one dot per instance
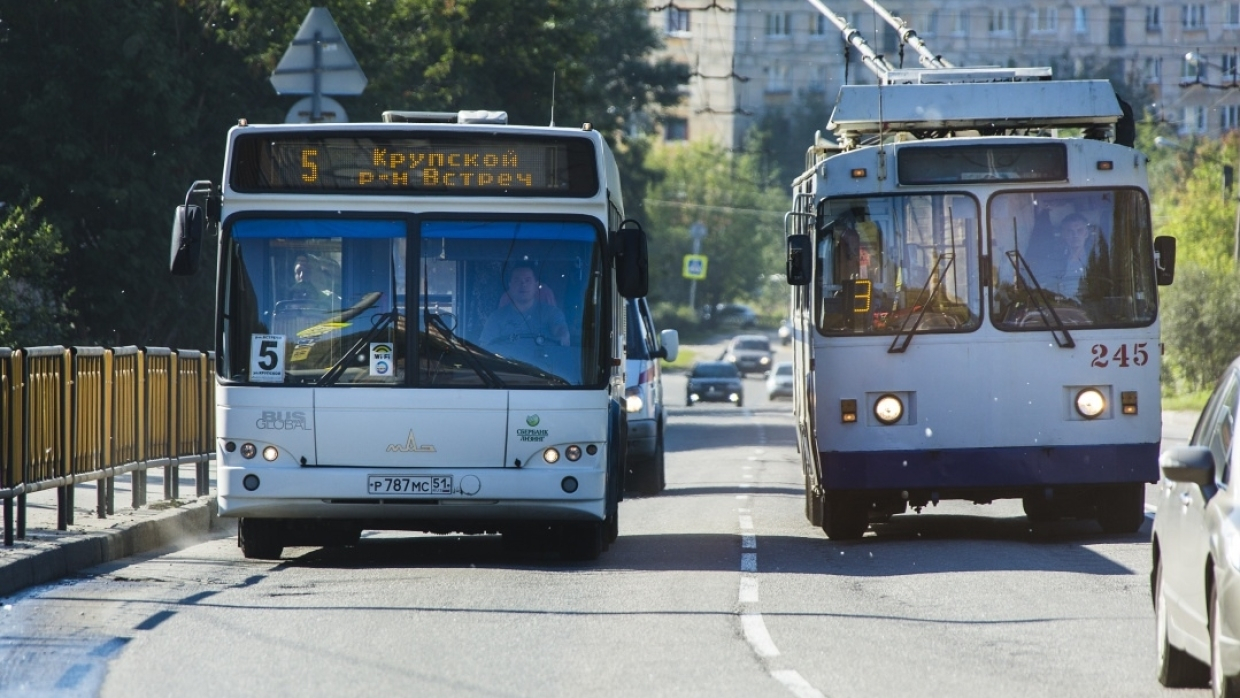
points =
(644, 398)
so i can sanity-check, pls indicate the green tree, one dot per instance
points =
(32, 309)
(742, 213)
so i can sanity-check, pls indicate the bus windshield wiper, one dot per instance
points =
(470, 351)
(381, 321)
(1041, 302)
(946, 260)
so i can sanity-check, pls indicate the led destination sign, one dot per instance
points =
(423, 163)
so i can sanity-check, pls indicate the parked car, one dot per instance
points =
(643, 392)
(731, 315)
(751, 353)
(1195, 578)
(779, 383)
(715, 381)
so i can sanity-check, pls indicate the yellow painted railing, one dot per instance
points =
(78, 414)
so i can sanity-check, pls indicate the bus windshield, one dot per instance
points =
(1076, 258)
(898, 264)
(496, 303)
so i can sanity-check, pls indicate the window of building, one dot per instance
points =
(1080, 20)
(1194, 120)
(1194, 69)
(676, 129)
(1231, 15)
(778, 24)
(1230, 117)
(1045, 20)
(961, 25)
(1230, 64)
(1153, 69)
(777, 79)
(677, 22)
(1115, 27)
(1193, 16)
(1153, 18)
(932, 24)
(818, 24)
(1002, 21)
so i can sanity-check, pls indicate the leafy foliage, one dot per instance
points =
(742, 212)
(31, 308)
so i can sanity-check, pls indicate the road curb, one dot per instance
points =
(43, 563)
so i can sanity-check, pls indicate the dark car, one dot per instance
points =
(1196, 551)
(734, 315)
(714, 381)
(751, 353)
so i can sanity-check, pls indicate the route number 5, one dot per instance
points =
(267, 358)
(1127, 354)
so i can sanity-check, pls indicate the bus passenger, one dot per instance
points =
(526, 319)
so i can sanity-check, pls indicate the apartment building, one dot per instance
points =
(1176, 61)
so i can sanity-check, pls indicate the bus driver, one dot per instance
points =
(526, 319)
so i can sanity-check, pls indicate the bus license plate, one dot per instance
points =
(410, 484)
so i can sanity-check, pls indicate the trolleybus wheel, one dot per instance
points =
(259, 539)
(1176, 668)
(1121, 508)
(813, 503)
(1039, 509)
(843, 519)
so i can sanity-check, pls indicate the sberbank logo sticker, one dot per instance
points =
(534, 435)
(380, 359)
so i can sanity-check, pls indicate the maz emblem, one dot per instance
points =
(410, 446)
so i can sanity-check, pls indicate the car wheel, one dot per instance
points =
(740, 403)
(1224, 686)
(259, 539)
(1176, 669)
(1121, 508)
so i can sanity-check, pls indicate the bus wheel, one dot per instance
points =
(1121, 508)
(260, 539)
(1039, 509)
(582, 541)
(843, 519)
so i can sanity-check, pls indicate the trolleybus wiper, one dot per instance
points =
(381, 321)
(946, 260)
(1041, 303)
(467, 349)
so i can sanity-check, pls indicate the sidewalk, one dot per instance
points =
(47, 554)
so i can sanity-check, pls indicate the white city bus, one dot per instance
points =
(376, 369)
(949, 343)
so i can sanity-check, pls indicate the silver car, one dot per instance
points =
(1195, 579)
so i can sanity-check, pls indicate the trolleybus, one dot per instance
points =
(975, 300)
(419, 326)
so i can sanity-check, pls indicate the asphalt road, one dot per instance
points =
(717, 587)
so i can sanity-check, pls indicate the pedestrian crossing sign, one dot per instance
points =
(695, 266)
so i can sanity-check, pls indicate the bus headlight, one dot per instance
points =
(888, 409)
(1090, 403)
(270, 453)
(248, 451)
(551, 455)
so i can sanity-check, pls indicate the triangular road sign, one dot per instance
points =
(318, 54)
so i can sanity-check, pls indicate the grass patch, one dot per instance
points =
(684, 359)
(1186, 402)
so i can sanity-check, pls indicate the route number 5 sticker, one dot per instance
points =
(267, 358)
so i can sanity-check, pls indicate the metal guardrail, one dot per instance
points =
(80, 414)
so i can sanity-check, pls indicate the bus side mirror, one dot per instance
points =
(631, 260)
(799, 268)
(1164, 259)
(187, 230)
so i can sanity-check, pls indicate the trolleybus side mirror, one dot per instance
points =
(631, 260)
(187, 230)
(1164, 259)
(799, 268)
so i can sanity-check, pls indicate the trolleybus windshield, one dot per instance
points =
(329, 302)
(1084, 256)
(898, 264)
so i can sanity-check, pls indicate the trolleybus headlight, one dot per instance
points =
(888, 409)
(270, 453)
(633, 403)
(573, 453)
(551, 455)
(248, 451)
(1090, 403)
